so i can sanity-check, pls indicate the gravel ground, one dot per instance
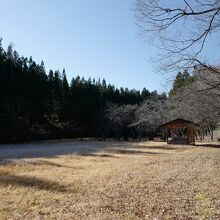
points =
(50, 149)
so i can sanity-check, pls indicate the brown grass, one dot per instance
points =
(134, 181)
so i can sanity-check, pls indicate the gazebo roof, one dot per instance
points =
(177, 123)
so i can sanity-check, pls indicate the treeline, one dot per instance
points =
(35, 105)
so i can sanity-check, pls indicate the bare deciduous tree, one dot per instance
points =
(119, 117)
(198, 102)
(149, 116)
(195, 101)
(181, 29)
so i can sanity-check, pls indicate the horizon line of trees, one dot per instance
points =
(35, 105)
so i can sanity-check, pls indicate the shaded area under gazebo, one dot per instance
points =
(181, 131)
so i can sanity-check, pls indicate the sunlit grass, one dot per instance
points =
(139, 181)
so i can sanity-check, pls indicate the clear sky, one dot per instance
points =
(96, 38)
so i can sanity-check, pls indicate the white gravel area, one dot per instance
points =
(47, 149)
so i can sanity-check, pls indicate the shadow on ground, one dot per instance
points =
(126, 151)
(32, 182)
(214, 145)
(48, 163)
(142, 146)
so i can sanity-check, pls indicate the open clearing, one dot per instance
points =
(109, 180)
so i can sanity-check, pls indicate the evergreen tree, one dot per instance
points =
(181, 80)
(37, 106)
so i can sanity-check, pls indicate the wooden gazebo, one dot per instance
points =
(181, 131)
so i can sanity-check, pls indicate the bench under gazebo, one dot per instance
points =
(182, 131)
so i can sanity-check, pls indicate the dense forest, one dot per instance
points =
(35, 105)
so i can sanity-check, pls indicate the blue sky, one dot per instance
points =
(96, 38)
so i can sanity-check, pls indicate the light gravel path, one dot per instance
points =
(47, 149)
(12, 152)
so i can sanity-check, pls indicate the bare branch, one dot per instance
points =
(180, 29)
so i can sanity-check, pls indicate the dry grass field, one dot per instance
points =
(144, 180)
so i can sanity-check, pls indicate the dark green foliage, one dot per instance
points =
(35, 106)
(182, 80)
